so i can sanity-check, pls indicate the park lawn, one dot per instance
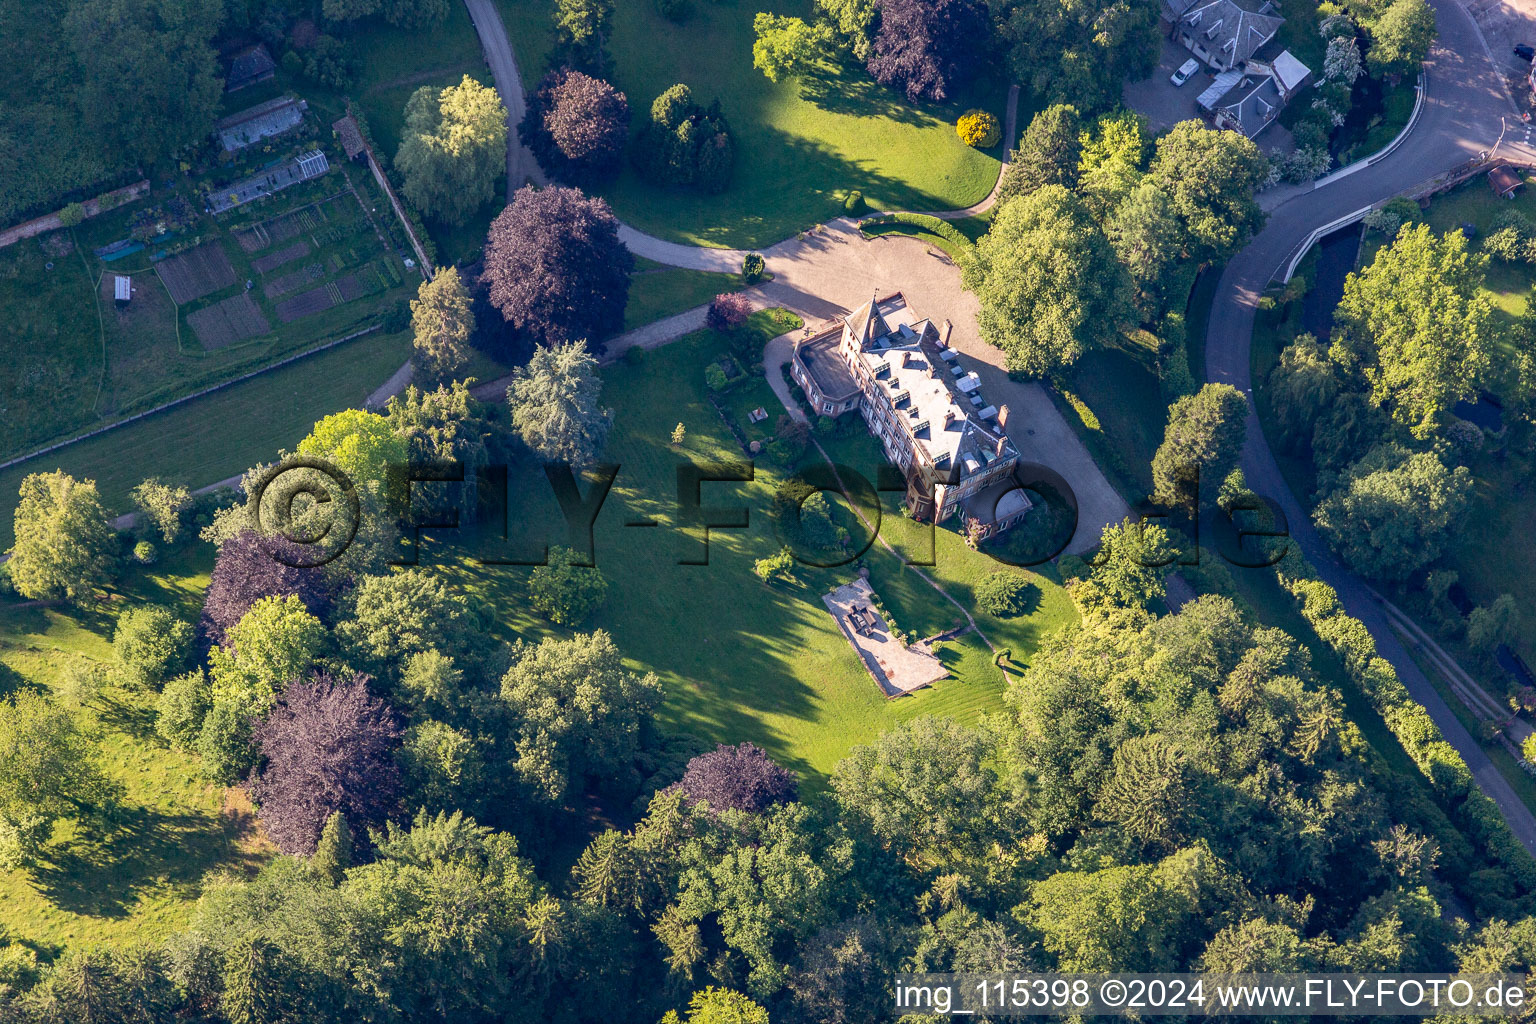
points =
(740, 660)
(657, 294)
(1114, 400)
(136, 877)
(222, 434)
(801, 145)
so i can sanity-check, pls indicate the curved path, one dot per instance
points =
(1464, 107)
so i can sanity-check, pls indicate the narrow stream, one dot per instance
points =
(1335, 259)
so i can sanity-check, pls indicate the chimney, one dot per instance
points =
(1002, 418)
(947, 328)
(949, 417)
(1002, 442)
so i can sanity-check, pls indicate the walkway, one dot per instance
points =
(521, 165)
(1463, 117)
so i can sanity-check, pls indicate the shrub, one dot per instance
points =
(1004, 594)
(634, 355)
(144, 553)
(778, 566)
(715, 378)
(151, 643)
(180, 711)
(728, 312)
(855, 204)
(564, 591)
(979, 129)
(752, 267)
(72, 215)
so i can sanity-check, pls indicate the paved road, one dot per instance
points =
(1461, 118)
(521, 165)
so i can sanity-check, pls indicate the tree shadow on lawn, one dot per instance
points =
(141, 851)
(137, 720)
(847, 88)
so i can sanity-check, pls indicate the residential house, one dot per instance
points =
(1249, 99)
(951, 446)
(1224, 33)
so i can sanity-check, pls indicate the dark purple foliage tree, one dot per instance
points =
(728, 312)
(247, 570)
(327, 747)
(556, 268)
(927, 48)
(577, 126)
(742, 778)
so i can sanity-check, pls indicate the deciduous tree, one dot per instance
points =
(787, 47)
(740, 778)
(564, 590)
(1419, 325)
(1047, 281)
(278, 640)
(328, 748)
(454, 149)
(927, 48)
(579, 713)
(1393, 511)
(248, 568)
(161, 505)
(1400, 37)
(1080, 51)
(1210, 177)
(577, 126)
(556, 268)
(63, 543)
(151, 644)
(48, 771)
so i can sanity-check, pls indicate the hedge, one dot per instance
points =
(933, 225)
(1447, 772)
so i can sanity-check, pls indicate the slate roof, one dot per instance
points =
(1230, 30)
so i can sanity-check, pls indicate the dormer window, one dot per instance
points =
(1210, 33)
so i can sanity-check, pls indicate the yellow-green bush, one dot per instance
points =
(978, 128)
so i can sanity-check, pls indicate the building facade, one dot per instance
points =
(950, 445)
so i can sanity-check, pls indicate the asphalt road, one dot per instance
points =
(1464, 111)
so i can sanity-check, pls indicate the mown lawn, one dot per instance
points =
(655, 294)
(800, 145)
(741, 660)
(133, 877)
(222, 434)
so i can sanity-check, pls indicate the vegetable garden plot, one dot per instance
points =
(294, 281)
(228, 321)
(316, 300)
(197, 272)
(253, 239)
(287, 254)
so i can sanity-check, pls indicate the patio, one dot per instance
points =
(897, 668)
